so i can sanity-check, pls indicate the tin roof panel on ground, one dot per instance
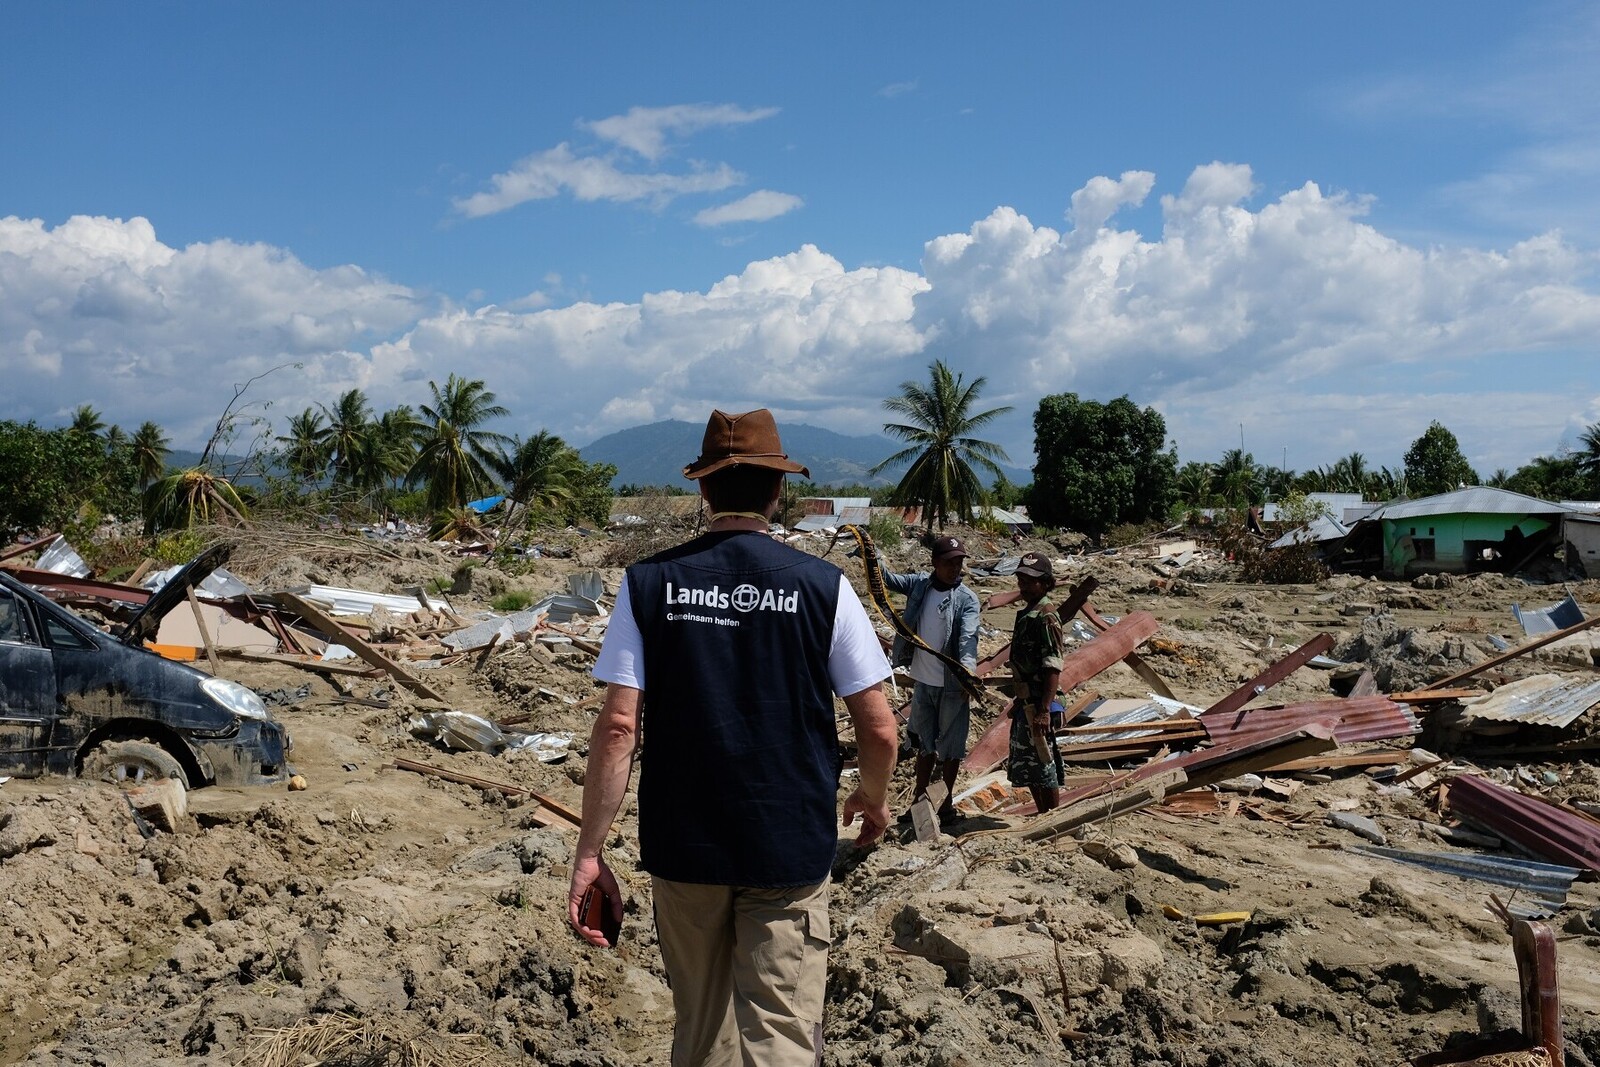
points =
(1542, 700)
(1556, 834)
(1547, 881)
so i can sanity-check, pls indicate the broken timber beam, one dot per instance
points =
(559, 814)
(1135, 662)
(1272, 675)
(339, 634)
(1128, 797)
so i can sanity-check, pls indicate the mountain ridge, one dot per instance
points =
(655, 454)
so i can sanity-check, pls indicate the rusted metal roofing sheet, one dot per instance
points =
(1374, 718)
(1542, 700)
(1553, 833)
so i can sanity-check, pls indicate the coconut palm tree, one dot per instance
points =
(941, 450)
(1237, 479)
(305, 451)
(1588, 460)
(347, 437)
(192, 497)
(394, 443)
(87, 421)
(453, 457)
(537, 472)
(150, 449)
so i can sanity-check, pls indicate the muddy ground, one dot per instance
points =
(424, 921)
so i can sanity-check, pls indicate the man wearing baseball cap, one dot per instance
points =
(944, 614)
(730, 650)
(1036, 671)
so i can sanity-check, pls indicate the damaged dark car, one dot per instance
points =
(76, 700)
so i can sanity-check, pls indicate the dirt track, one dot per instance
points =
(436, 912)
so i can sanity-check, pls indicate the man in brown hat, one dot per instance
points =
(729, 650)
(943, 612)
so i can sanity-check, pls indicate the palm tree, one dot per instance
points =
(150, 448)
(454, 454)
(87, 421)
(1237, 479)
(537, 472)
(347, 437)
(1194, 484)
(394, 443)
(1349, 475)
(304, 451)
(1588, 460)
(190, 497)
(942, 451)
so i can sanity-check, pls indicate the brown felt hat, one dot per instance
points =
(749, 439)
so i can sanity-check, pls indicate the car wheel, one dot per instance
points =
(129, 763)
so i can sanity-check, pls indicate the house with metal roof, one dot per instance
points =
(1474, 528)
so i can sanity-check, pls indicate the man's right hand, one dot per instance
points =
(587, 871)
(874, 817)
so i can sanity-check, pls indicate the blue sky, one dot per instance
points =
(1320, 229)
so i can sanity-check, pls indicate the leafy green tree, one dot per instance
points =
(942, 450)
(1550, 478)
(590, 500)
(1005, 494)
(1434, 463)
(50, 476)
(453, 460)
(1100, 464)
(394, 443)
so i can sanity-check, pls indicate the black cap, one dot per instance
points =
(1036, 566)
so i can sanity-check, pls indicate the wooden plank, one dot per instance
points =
(1335, 761)
(1272, 675)
(339, 634)
(320, 666)
(559, 814)
(1436, 696)
(205, 634)
(1212, 765)
(1131, 796)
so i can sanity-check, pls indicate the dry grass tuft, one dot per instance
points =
(344, 1041)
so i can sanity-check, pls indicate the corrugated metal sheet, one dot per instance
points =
(1154, 710)
(1548, 620)
(1543, 700)
(1374, 718)
(1473, 500)
(1556, 834)
(1549, 882)
(360, 602)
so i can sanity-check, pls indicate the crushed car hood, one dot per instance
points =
(144, 626)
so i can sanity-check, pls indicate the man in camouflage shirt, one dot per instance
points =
(1036, 667)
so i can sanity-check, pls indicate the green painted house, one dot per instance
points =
(1475, 528)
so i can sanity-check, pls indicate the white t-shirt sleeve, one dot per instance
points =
(621, 659)
(856, 660)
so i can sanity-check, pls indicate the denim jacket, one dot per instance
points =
(959, 640)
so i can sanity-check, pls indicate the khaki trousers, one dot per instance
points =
(749, 972)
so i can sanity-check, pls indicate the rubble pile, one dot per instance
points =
(1288, 849)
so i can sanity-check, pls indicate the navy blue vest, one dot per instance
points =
(739, 770)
